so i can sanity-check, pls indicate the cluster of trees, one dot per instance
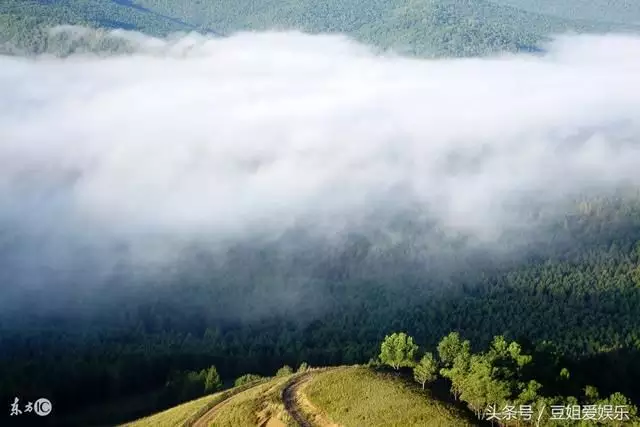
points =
(187, 385)
(502, 376)
(246, 379)
(284, 371)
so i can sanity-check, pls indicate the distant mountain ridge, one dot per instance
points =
(419, 27)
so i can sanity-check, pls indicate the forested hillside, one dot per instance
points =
(25, 24)
(576, 296)
(625, 11)
(422, 27)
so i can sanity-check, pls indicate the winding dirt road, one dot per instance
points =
(295, 403)
(300, 408)
(289, 398)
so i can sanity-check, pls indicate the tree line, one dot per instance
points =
(503, 376)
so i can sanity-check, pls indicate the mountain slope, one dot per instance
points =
(326, 397)
(420, 27)
(24, 24)
(358, 396)
(423, 27)
(622, 11)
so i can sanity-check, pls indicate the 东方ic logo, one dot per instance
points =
(42, 407)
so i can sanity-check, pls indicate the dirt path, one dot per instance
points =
(290, 404)
(295, 403)
(300, 408)
(207, 418)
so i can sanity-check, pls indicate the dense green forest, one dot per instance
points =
(572, 292)
(611, 11)
(422, 27)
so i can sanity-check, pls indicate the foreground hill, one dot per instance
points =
(200, 411)
(482, 386)
(343, 396)
(358, 396)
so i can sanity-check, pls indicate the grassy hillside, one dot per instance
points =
(246, 405)
(178, 415)
(345, 396)
(196, 410)
(503, 376)
(359, 396)
(256, 406)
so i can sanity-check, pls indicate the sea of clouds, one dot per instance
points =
(195, 137)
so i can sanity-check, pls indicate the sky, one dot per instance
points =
(259, 132)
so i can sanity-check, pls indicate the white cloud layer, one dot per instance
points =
(262, 130)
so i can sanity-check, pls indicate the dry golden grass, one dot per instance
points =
(260, 405)
(345, 396)
(358, 396)
(189, 412)
(178, 415)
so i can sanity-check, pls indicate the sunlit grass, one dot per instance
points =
(187, 413)
(349, 396)
(359, 396)
(178, 415)
(255, 405)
